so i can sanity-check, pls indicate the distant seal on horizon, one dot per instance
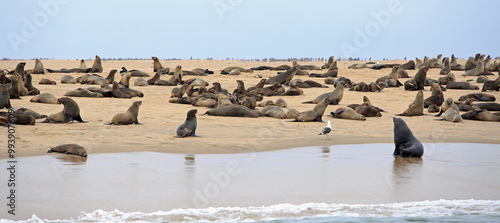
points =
(416, 108)
(233, 111)
(328, 63)
(317, 113)
(97, 66)
(82, 64)
(407, 145)
(347, 113)
(228, 70)
(178, 92)
(129, 117)
(4, 98)
(72, 149)
(70, 112)
(47, 98)
(188, 128)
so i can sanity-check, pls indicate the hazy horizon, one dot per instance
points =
(220, 29)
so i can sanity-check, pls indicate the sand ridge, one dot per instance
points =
(229, 134)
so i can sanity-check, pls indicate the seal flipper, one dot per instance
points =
(79, 119)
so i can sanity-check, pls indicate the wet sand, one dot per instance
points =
(227, 134)
(56, 186)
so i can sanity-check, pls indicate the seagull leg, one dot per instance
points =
(327, 137)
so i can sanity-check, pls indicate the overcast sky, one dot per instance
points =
(71, 29)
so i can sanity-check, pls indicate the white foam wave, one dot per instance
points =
(438, 208)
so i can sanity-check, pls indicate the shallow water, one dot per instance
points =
(328, 183)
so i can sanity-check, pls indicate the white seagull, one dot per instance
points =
(326, 130)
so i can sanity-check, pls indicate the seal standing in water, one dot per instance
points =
(71, 112)
(72, 149)
(129, 117)
(188, 128)
(407, 145)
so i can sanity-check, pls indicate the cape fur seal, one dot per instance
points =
(481, 115)
(477, 97)
(228, 70)
(234, 111)
(490, 106)
(117, 93)
(332, 71)
(20, 119)
(27, 111)
(328, 63)
(416, 108)
(82, 64)
(418, 81)
(436, 97)
(274, 112)
(188, 128)
(70, 112)
(452, 112)
(347, 113)
(129, 117)
(68, 79)
(80, 92)
(336, 95)
(46, 81)
(4, 98)
(317, 113)
(156, 64)
(97, 66)
(45, 98)
(283, 77)
(461, 85)
(72, 149)
(407, 145)
(140, 82)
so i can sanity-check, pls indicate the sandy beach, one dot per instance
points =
(227, 134)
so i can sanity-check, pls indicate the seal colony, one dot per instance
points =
(239, 95)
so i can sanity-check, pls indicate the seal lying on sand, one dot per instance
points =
(72, 149)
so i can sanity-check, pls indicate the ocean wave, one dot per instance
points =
(437, 208)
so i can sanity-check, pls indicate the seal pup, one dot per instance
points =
(97, 66)
(274, 112)
(317, 113)
(228, 70)
(416, 108)
(129, 117)
(47, 98)
(82, 64)
(407, 145)
(70, 112)
(140, 82)
(68, 79)
(4, 98)
(452, 112)
(72, 149)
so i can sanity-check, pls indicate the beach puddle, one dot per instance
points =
(57, 186)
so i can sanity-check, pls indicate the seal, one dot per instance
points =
(178, 92)
(129, 117)
(274, 112)
(490, 106)
(156, 64)
(39, 69)
(125, 81)
(291, 113)
(71, 149)
(410, 65)
(283, 77)
(262, 68)
(445, 80)
(117, 93)
(135, 73)
(416, 108)
(82, 64)
(281, 103)
(97, 66)
(436, 97)
(407, 145)
(418, 81)
(249, 102)
(335, 96)
(328, 63)
(282, 67)
(261, 84)
(27, 111)
(492, 85)
(433, 108)
(266, 103)
(80, 92)
(391, 79)
(140, 82)
(451, 114)
(233, 111)
(329, 80)
(47, 98)
(111, 76)
(228, 70)
(347, 113)
(461, 85)
(235, 72)
(481, 115)
(317, 113)
(188, 128)
(68, 79)
(29, 86)
(14, 92)
(70, 112)
(4, 98)
(332, 71)
(477, 97)
(47, 82)
(368, 111)
(20, 119)
(294, 90)
(217, 89)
